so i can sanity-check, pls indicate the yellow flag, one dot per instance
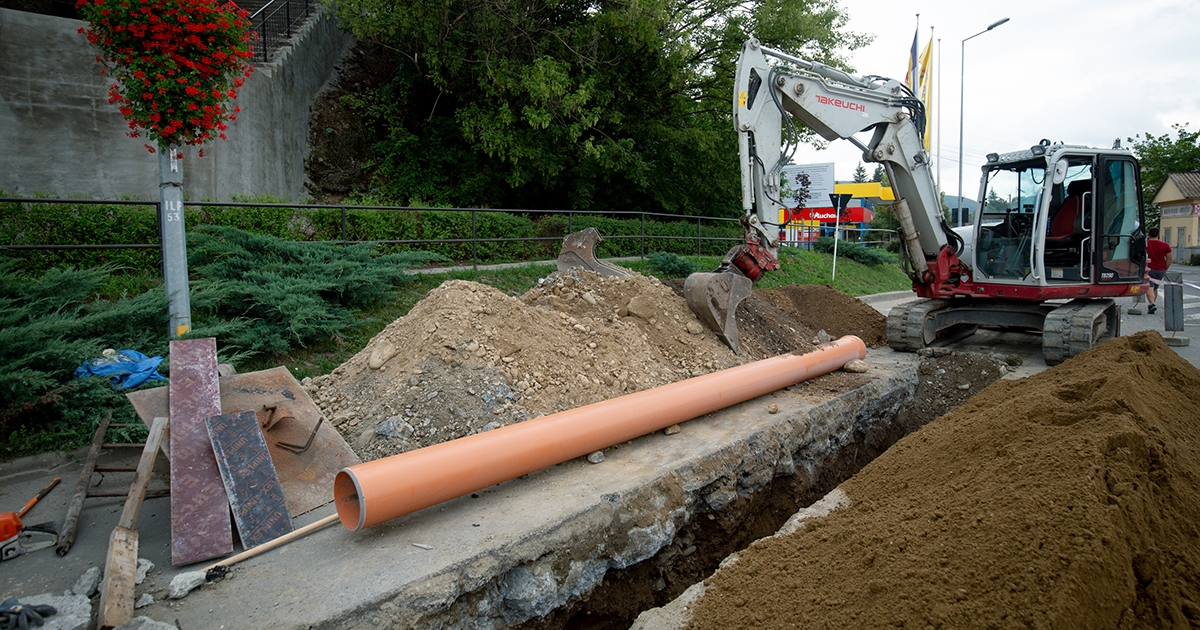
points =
(925, 88)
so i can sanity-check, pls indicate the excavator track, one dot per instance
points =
(1078, 325)
(908, 324)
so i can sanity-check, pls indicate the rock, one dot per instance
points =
(394, 427)
(773, 409)
(641, 307)
(491, 425)
(144, 623)
(364, 438)
(589, 298)
(145, 600)
(143, 567)
(88, 583)
(74, 611)
(1013, 360)
(823, 337)
(965, 386)
(694, 328)
(226, 369)
(596, 457)
(183, 583)
(672, 430)
(381, 354)
(857, 366)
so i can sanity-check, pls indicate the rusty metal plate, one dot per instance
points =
(200, 527)
(307, 478)
(259, 509)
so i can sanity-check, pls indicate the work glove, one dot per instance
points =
(16, 616)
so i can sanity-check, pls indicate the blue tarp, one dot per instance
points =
(128, 368)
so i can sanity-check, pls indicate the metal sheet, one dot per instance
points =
(255, 495)
(200, 527)
(307, 478)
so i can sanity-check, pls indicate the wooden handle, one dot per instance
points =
(267, 546)
(41, 495)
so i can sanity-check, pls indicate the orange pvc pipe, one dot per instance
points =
(377, 491)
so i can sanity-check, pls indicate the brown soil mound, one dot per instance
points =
(1064, 500)
(821, 307)
(469, 358)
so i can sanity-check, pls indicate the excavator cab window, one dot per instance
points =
(1122, 241)
(1012, 196)
(1068, 244)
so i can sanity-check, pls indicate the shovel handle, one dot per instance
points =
(41, 495)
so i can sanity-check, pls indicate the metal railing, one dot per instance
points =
(474, 239)
(274, 23)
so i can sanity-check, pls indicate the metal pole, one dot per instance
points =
(474, 242)
(343, 225)
(962, 92)
(697, 236)
(643, 215)
(174, 241)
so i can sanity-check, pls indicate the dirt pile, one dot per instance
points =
(821, 307)
(1064, 500)
(469, 358)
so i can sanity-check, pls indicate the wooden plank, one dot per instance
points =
(141, 480)
(120, 573)
(66, 537)
(259, 509)
(200, 527)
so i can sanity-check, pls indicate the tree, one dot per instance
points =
(1161, 156)
(568, 103)
(860, 174)
(879, 175)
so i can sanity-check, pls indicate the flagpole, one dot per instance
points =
(915, 84)
(939, 121)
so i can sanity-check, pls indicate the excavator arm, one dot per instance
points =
(772, 88)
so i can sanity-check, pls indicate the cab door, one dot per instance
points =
(1120, 248)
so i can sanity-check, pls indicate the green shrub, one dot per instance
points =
(854, 251)
(671, 265)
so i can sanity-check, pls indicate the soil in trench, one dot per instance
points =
(1062, 500)
(469, 358)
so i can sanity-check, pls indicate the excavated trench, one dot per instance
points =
(928, 388)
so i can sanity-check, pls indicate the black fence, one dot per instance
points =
(274, 23)
(70, 225)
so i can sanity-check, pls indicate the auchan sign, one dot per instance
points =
(828, 215)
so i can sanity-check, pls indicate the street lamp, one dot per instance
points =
(962, 94)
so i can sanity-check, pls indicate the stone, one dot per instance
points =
(145, 600)
(1014, 360)
(773, 409)
(381, 354)
(88, 583)
(823, 337)
(596, 457)
(394, 427)
(641, 307)
(364, 439)
(226, 369)
(143, 567)
(856, 366)
(183, 583)
(965, 386)
(694, 328)
(672, 430)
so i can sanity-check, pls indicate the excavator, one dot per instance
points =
(1058, 235)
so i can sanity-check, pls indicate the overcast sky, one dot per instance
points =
(1080, 72)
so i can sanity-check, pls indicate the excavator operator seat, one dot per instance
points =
(1067, 222)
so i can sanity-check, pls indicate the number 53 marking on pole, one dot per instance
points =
(174, 211)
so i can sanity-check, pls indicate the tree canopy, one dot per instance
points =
(1162, 155)
(590, 104)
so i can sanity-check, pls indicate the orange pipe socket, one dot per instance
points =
(373, 492)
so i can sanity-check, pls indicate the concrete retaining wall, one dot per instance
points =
(59, 134)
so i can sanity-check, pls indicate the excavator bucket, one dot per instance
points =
(714, 298)
(579, 251)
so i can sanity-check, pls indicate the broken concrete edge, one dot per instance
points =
(677, 615)
(547, 569)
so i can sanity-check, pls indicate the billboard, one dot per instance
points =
(820, 183)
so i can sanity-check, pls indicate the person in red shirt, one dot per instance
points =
(1159, 257)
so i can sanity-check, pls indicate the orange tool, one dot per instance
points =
(17, 539)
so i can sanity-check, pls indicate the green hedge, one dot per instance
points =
(76, 224)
